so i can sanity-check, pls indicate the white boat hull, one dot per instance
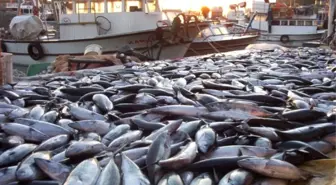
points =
(110, 44)
(294, 40)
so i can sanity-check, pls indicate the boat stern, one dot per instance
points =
(172, 51)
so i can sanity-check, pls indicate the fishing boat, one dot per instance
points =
(141, 25)
(287, 26)
(218, 38)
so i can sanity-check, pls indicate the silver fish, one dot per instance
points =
(27, 132)
(205, 138)
(110, 175)
(158, 150)
(44, 127)
(50, 116)
(84, 114)
(103, 102)
(132, 174)
(36, 113)
(170, 127)
(202, 179)
(171, 179)
(181, 159)
(272, 168)
(98, 126)
(187, 177)
(28, 171)
(84, 148)
(115, 133)
(7, 175)
(237, 176)
(54, 170)
(16, 154)
(53, 143)
(237, 150)
(125, 139)
(85, 173)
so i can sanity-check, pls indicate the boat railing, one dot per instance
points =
(294, 22)
(242, 33)
(87, 9)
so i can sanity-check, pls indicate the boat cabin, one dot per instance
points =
(283, 20)
(218, 32)
(24, 8)
(213, 30)
(80, 19)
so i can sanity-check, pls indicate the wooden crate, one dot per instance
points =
(6, 68)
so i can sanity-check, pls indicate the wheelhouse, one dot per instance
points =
(80, 19)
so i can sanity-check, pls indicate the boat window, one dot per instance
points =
(151, 6)
(25, 11)
(319, 16)
(275, 22)
(82, 6)
(68, 7)
(309, 23)
(216, 31)
(284, 23)
(224, 31)
(315, 23)
(114, 6)
(276, 14)
(97, 6)
(170, 15)
(207, 32)
(199, 35)
(133, 5)
(300, 23)
(283, 14)
(292, 23)
(260, 18)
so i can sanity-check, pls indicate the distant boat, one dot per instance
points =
(217, 38)
(287, 26)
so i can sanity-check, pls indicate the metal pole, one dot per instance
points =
(331, 17)
(74, 6)
(19, 8)
(105, 6)
(89, 6)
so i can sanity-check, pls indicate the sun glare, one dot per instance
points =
(195, 5)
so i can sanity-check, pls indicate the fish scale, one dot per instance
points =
(246, 119)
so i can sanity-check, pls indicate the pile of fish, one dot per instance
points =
(249, 119)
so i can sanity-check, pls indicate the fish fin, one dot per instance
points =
(144, 167)
(12, 84)
(119, 150)
(311, 107)
(307, 174)
(240, 130)
(215, 175)
(105, 154)
(280, 134)
(302, 150)
(204, 122)
(290, 99)
(279, 116)
(176, 89)
(245, 125)
(240, 153)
